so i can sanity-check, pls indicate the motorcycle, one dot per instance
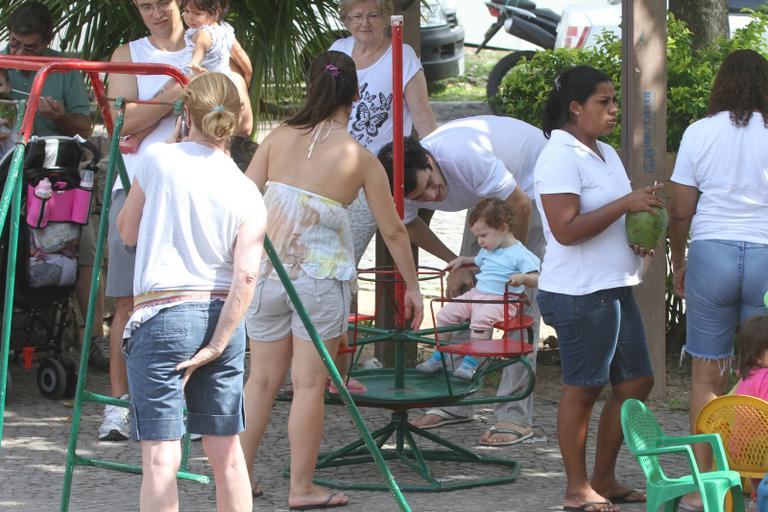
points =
(521, 18)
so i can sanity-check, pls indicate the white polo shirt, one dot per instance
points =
(729, 165)
(566, 166)
(481, 156)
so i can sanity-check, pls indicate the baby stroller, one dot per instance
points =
(56, 200)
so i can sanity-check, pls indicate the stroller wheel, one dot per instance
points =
(70, 368)
(51, 379)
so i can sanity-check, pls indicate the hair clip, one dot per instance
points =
(217, 108)
(558, 86)
(333, 69)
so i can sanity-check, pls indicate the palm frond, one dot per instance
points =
(277, 34)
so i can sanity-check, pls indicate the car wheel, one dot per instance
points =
(498, 73)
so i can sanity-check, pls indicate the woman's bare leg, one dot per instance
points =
(610, 435)
(573, 417)
(305, 424)
(269, 365)
(708, 380)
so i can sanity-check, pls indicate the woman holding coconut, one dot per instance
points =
(583, 193)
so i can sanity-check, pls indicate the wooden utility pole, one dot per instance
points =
(385, 312)
(644, 121)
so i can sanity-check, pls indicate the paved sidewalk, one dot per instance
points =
(36, 431)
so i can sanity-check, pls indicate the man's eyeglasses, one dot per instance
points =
(371, 17)
(161, 6)
(16, 45)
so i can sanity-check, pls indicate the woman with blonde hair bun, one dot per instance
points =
(198, 225)
(213, 104)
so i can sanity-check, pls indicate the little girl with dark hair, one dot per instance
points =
(753, 364)
(212, 40)
(753, 368)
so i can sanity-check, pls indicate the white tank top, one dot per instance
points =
(148, 86)
(144, 51)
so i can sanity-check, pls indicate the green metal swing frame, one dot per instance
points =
(10, 202)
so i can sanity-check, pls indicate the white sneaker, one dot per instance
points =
(114, 426)
(465, 372)
(430, 366)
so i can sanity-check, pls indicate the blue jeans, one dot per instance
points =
(214, 392)
(600, 335)
(724, 285)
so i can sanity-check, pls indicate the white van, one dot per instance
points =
(582, 23)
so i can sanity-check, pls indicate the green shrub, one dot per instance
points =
(524, 90)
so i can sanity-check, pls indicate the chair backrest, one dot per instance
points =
(742, 422)
(642, 432)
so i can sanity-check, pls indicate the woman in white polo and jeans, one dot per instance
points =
(720, 196)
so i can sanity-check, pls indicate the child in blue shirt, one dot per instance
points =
(502, 259)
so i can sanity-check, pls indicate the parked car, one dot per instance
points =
(582, 23)
(442, 41)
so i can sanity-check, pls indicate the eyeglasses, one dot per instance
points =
(371, 17)
(16, 45)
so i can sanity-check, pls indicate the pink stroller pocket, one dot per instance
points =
(73, 205)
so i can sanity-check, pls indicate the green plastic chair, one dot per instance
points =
(647, 442)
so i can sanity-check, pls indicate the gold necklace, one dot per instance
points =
(320, 133)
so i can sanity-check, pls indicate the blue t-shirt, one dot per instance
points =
(497, 266)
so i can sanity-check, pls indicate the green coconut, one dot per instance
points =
(645, 229)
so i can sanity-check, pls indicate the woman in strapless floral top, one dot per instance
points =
(312, 170)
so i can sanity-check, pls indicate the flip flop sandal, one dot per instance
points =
(626, 497)
(520, 437)
(446, 418)
(326, 503)
(584, 506)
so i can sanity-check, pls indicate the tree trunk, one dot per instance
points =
(707, 19)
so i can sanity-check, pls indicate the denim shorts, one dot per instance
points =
(272, 316)
(600, 335)
(724, 285)
(214, 393)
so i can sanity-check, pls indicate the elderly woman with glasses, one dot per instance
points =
(370, 122)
